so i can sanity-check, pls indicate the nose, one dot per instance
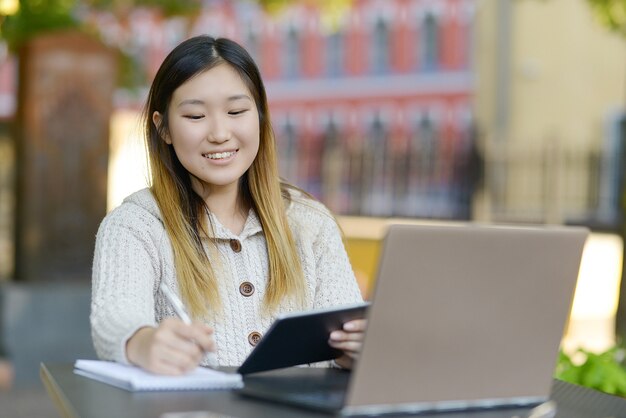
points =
(219, 130)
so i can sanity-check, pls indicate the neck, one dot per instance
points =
(227, 206)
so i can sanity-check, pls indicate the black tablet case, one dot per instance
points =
(300, 339)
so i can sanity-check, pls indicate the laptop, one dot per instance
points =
(462, 317)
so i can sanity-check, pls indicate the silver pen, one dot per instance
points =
(182, 314)
(175, 302)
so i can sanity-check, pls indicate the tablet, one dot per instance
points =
(300, 338)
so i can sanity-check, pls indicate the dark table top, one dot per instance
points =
(77, 396)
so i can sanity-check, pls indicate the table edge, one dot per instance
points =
(62, 404)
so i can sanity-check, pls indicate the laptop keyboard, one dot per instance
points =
(322, 390)
(321, 398)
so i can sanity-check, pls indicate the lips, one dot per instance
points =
(219, 155)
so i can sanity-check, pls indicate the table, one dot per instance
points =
(76, 396)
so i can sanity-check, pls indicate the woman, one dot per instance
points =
(216, 225)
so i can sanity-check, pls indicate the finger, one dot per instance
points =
(166, 369)
(164, 360)
(181, 360)
(189, 338)
(171, 322)
(203, 327)
(203, 336)
(355, 325)
(170, 337)
(169, 341)
(188, 348)
(177, 363)
(188, 332)
(171, 332)
(192, 347)
(206, 344)
(346, 336)
(347, 346)
(199, 334)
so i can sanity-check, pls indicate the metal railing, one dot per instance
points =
(551, 182)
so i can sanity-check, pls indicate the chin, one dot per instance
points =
(222, 182)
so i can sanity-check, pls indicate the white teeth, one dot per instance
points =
(219, 155)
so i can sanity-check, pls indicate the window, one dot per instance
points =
(334, 54)
(429, 43)
(380, 47)
(291, 54)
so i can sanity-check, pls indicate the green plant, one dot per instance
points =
(612, 13)
(601, 371)
(31, 18)
(34, 17)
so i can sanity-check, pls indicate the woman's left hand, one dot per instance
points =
(349, 340)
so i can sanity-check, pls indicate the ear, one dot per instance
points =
(157, 119)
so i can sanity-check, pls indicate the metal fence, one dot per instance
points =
(509, 182)
(553, 182)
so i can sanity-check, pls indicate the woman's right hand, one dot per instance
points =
(172, 348)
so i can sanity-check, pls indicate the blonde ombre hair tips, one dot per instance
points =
(183, 211)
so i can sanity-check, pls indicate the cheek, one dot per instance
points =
(186, 135)
(251, 134)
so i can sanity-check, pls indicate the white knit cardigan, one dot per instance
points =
(133, 255)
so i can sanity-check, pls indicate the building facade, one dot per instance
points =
(372, 114)
(551, 96)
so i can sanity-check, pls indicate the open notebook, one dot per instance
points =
(135, 379)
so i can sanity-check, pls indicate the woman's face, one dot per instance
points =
(214, 128)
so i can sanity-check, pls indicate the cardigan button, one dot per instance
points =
(246, 289)
(254, 338)
(235, 245)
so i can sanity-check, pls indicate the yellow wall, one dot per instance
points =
(566, 71)
(485, 46)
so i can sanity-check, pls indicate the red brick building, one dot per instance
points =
(372, 115)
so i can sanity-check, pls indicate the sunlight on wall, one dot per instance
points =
(599, 277)
(592, 321)
(128, 168)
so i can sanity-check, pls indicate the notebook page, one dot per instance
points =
(136, 379)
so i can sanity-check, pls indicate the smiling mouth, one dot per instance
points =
(219, 155)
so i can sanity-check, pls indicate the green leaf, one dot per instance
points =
(600, 371)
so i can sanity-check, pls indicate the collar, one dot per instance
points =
(251, 227)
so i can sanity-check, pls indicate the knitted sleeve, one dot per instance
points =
(124, 277)
(336, 283)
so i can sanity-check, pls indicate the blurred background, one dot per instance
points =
(495, 111)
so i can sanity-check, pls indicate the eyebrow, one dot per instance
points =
(201, 102)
